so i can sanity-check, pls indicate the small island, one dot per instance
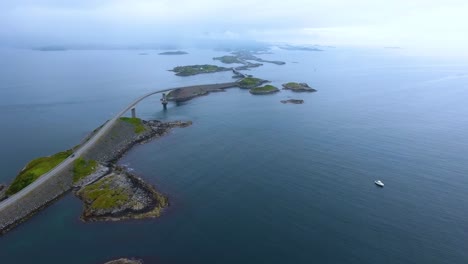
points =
(292, 101)
(250, 82)
(298, 87)
(179, 52)
(267, 89)
(198, 69)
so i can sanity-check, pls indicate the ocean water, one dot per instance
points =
(253, 180)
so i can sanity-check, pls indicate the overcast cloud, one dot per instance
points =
(432, 25)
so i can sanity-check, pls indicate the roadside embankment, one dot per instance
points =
(108, 149)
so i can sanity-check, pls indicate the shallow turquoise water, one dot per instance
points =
(253, 180)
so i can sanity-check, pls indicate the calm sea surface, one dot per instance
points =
(253, 180)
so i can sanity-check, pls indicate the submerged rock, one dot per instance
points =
(292, 101)
(125, 261)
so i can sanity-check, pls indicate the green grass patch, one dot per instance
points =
(250, 82)
(35, 169)
(102, 196)
(83, 168)
(136, 122)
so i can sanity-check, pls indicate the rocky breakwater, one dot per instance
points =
(298, 87)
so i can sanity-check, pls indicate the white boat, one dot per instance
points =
(379, 183)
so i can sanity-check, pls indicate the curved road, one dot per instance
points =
(88, 144)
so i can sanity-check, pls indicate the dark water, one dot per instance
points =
(253, 180)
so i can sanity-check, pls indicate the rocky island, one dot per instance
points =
(179, 52)
(298, 87)
(197, 69)
(267, 89)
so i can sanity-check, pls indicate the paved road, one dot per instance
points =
(87, 145)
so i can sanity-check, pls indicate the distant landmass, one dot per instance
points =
(173, 53)
(302, 48)
(51, 48)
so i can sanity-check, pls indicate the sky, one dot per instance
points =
(436, 26)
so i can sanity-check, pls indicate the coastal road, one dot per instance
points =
(86, 146)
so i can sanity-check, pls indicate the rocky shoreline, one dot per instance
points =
(298, 87)
(3, 189)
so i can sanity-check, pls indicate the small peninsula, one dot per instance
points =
(197, 69)
(178, 52)
(298, 87)
(110, 192)
(267, 89)
(120, 195)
